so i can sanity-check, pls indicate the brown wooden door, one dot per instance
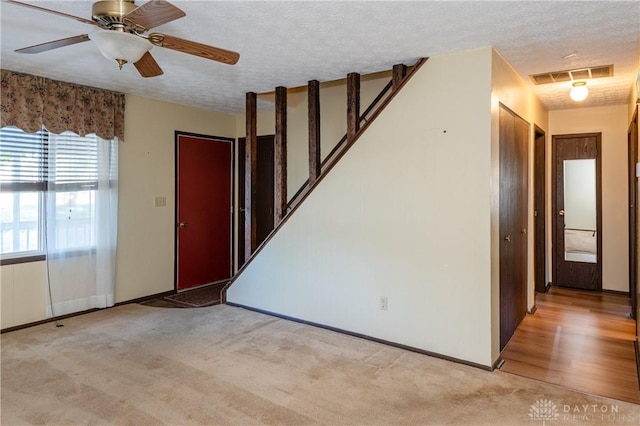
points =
(203, 210)
(264, 200)
(577, 248)
(632, 138)
(539, 211)
(513, 222)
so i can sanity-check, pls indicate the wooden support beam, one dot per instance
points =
(250, 182)
(280, 163)
(313, 96)
(399, 73)
(353, 104)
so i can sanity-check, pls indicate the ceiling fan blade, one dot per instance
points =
(154, 13)
(55, 12)
(194, 48)
(148, 67)
(50, 45)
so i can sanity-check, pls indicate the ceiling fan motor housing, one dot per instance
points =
(110, 13)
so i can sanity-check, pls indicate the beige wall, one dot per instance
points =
(23, 293)
(145, 254)
(634, 97)
(613, 123)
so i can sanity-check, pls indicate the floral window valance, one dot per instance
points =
(30, 102)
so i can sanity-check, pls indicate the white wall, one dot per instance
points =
(145, 254)
(406, 214)
(612, 122)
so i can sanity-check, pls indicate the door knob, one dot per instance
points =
(182, 225)
(561, 212)
(508, 238)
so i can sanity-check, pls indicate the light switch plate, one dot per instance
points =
(637, 169)
(160, 201)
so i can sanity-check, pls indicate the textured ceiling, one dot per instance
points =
(288, 43)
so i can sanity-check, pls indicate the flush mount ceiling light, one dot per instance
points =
(579, 91)
(120, 46)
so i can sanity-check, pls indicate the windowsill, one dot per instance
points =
(41, 257)
(23, 259)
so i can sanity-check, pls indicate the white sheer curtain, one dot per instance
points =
(81, 204)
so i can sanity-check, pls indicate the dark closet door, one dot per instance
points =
(539, 212)
(264, 199)
(633, 212)
(513, 222)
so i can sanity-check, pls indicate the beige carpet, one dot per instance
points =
(142, 365)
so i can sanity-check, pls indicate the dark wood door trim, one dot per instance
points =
(555, 205)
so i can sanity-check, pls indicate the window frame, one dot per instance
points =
(41, 187)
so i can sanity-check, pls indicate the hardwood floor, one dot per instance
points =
(579, 340)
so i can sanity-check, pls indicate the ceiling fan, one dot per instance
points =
(122, 38)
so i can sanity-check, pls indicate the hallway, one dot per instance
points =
(579, 340)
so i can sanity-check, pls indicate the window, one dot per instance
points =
(48, 187)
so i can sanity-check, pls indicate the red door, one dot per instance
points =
(204, 188)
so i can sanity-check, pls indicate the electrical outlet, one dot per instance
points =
(384, 303)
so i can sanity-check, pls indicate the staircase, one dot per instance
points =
(357, 124)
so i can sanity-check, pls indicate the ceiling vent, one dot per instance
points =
(573, 75)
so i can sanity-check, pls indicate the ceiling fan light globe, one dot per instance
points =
(120, 45)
